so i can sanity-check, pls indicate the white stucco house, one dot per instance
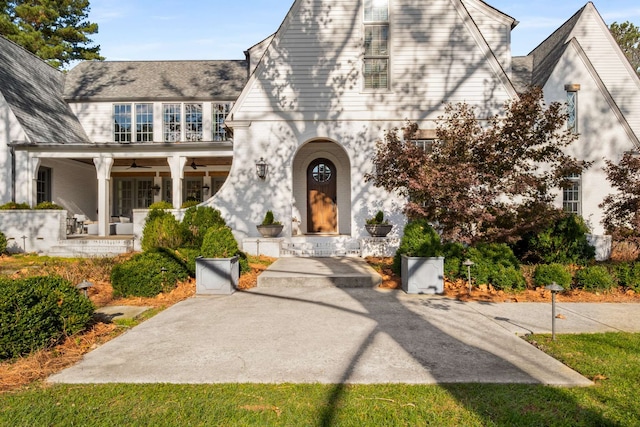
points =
(309, 103)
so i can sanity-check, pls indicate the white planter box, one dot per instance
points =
(217, 276)
(422, 275)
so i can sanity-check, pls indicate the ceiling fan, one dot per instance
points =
(134, 165)
(196, 166)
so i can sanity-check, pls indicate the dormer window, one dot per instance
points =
(376, 44)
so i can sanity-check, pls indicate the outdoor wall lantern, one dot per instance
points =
(205, 189)
(468, 263)
(554, 288)
(156, 189)
(261, 168)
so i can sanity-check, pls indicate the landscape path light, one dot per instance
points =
(554, 288)
(84, 287)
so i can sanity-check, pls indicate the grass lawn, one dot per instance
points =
(613, 360)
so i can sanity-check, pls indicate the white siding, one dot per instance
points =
(10, 131)
(495, 28)
(74, 186)
(312, 70)
(624, 86)
(95, 118)
(601, 134)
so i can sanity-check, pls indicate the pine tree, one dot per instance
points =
(55, 30)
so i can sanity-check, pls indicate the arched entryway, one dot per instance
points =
(322, 189)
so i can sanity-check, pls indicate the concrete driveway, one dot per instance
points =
(329, 335)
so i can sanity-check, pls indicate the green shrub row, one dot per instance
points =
(174, 246)
(601, 277)
(38, 312)
(149, 273)
(25, 206)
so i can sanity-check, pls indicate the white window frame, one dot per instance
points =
(120, 112)
(193, 121)
(376, 56)
(146, 134)
(572, 111)
(218, 131)
(572, 196)
(172, 109)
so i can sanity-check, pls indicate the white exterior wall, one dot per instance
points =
(74, 186)
(312, 70)
(496, 29)
(10, 130)
(97, 118)
(244, 198)
(611, 65)
(42, 229)
(602, 136)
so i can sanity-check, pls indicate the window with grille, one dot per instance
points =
(193, 122)
(144, 122)
(43, 185)
(571, 197)
(376, 44)
(220, 112)
(172, 122)
(572, 111)
(122, 123)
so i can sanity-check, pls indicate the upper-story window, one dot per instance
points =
(172, 122)
(572, 107)
(122, 123)
(220, 112)
(193, 122)
(376, 44)
(144, 122)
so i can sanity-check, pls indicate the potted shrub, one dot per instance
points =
(378, 226)
(218, 267)
(269, 227)
(419, 259)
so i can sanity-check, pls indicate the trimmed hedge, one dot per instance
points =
(563, 242)
(627, 274)
(495, 263)
(545, 274)
(3, 243)
(595, 278)
(161, 230)
(15, 206)
(47, 205)
(196, 222)
(142, 275)
(418, 240)
(37, 312)
(219, 242)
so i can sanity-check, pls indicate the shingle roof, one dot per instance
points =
(33, 91)
(157, 80)
(547, 54)
(521, 72)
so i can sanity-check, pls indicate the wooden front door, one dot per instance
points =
(322, 209)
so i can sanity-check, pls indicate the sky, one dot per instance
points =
(217, 29)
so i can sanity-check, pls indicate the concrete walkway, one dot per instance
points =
(328, 334)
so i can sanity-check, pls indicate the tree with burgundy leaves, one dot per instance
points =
(482, 180)
(622, 209)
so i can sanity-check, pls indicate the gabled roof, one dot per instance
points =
(521, 72)
(547, 54)
(155, 80)
(33, 90)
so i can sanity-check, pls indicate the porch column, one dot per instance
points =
(176, 164)
(26, 178)
(34, 166)
(103, 170)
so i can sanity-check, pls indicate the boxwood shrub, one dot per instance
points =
(627, 274)
(142, 274)
(219, 242)
(418, 240)
(3, 243)
(197, 220)
(495, 263)
(595, 278)
(37, 312)
(161, 230)
(545, 274)
(454, 256)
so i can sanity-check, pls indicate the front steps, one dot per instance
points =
(90, 247)
(321, 246)
(296, 272)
